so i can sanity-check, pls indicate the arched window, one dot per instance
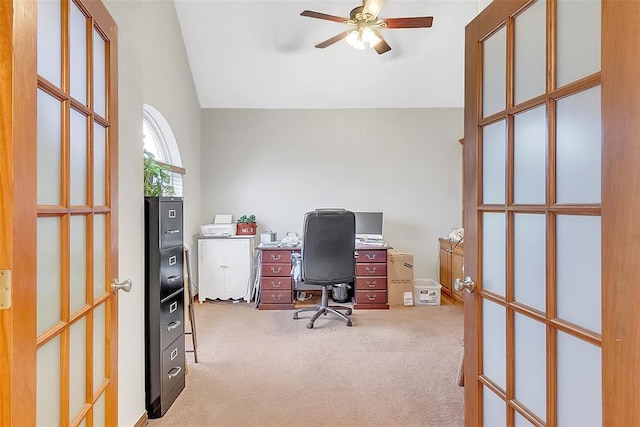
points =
(158, 139)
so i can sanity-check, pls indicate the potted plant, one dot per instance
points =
(246, 225)
(157, 177)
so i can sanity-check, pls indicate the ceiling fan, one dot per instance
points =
(366, 23)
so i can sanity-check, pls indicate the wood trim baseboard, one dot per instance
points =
(142, 421)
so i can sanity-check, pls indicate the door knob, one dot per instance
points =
(467, 284)
(125, 286)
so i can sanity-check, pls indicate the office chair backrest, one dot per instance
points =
(328, 246)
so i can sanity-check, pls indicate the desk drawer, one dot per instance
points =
(276, 256)
(273, 269)
(372, 256)
(371, 297)
(368, 283)
(276, 283)
(276, 297)
(371, 269)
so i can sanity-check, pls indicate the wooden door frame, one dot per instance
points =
(620, 206)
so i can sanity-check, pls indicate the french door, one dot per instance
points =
(552, 155)
(59, 106)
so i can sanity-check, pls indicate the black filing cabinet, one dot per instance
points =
(164, 303)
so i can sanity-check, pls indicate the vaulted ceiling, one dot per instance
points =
(261, 54)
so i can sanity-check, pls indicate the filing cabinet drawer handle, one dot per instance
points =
(173, 260)
(174, 353)
(371, 256)
(172, 278)
(371, 284)
(176, 231)
(276, 270)
(276, 257)
(174, 372)
(371, 298)
(172, 213)
(370, 270)
(173, 307)
(171, 326)
(276, 297)
(276, 284)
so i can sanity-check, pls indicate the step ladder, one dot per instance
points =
(192, 314)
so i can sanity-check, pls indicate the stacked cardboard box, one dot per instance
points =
(399, 277)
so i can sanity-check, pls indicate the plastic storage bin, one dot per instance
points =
(426, 292)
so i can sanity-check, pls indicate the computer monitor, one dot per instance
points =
(368, 225)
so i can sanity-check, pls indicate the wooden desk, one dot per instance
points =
(277, 288)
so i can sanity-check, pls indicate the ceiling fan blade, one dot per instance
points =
(382, 46)
(372, 8)
(415, 22)
(333, 39)
(318, 15)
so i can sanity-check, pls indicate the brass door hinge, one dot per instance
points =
(5, 289)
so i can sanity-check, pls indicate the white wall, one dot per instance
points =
(278, 164)
(152, 69)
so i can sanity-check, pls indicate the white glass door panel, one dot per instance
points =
(494, 410)
(494, 73)
(579, 147)
(78, 53)
(49, 149)
(78, 161)
(99, 74)
(579, 382)
(531, 364)
(48, 384)
(578, 39)
(493, 163)
(579, 270)
(78, 262)
(49, 297)
(530, 258)
(494, 252)
(49, 40)
(99, 164)
(530, 52)
(530, 151)
(494, 344)
(99, 255)
(78, 364)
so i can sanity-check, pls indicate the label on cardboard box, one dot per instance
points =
(399, 277)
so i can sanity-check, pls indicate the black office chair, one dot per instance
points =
(328, 257)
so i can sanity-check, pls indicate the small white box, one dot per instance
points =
(427, 292)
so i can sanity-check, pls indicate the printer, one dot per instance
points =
(222, 226)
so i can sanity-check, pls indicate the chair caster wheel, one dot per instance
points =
(349, 323)
(309, 325)
(295, 316)
(349, 312)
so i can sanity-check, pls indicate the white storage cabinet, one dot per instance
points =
(225, 267)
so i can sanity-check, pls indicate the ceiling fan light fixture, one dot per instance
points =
(362, 38)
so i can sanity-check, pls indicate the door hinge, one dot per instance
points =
(5, 289)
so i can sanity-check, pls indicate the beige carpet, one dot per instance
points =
(394, 367)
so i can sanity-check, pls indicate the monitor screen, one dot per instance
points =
(368, 225)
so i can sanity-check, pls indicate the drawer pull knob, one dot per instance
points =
(371, 270)
(172, 231)
(371, 297)
(371, 256)
(276, 270)
(172, 278)
(171, 326)
(276, 257)
(174, 372)
(276, 297)
(371, 284)
(276, 284)
(172, 213)
(173, 307)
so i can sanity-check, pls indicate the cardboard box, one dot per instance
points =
(399, 276)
